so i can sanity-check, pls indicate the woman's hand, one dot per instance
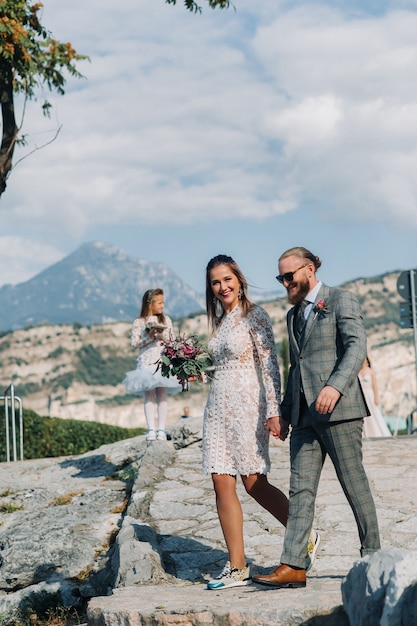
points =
(277, 427)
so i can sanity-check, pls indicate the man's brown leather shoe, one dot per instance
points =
(284, 577)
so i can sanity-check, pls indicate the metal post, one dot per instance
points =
(6, 417)
(13, 399)
(19, 400)
(413, 274)
(13, 422)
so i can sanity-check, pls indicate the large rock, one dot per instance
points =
(381, 590)
(78, 527)
(185, 432)
(59, 521)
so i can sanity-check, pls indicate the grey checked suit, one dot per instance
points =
(332, 351)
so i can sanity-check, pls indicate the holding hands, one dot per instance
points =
(277, 427)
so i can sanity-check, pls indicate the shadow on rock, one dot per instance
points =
(188, 559)
(338, 617)
(90, 466)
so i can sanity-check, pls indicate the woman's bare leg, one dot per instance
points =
(268, 496)
(231, 517)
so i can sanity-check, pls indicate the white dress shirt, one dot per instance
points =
(310, 297)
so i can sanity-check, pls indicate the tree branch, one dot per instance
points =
(10, 130)
(36, 148)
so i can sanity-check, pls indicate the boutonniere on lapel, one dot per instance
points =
(320, 308)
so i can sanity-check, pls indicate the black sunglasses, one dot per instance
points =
(289, 276)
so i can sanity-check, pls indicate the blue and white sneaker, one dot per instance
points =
(230, 577)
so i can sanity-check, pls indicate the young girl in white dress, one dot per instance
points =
(148, 330)
(243, 408)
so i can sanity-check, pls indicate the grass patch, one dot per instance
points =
(53, 616)
(65, 499)
(10, 507)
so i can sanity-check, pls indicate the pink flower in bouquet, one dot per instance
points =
(170, 352)
(190, 351)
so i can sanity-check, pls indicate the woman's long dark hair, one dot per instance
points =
(147, 298)
(212, 303)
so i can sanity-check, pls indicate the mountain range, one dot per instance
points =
(95, 284)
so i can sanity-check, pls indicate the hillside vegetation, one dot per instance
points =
(75, 371)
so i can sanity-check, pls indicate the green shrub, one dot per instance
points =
(52, 436)
(56, 353)
(62, 382)
(26, 389)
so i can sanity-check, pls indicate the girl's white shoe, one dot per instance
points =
(151, 436)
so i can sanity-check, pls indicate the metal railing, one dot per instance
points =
(10, 398)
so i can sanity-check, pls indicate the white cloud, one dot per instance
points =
(176, 142)
(348, 129)
(314, 122)
(29, 258)
(237, 115)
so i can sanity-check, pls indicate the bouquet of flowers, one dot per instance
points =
(184, 357)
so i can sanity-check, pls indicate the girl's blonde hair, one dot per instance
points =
(147, 299)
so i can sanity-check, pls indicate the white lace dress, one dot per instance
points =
(144, 377)
(244, 393)
(374, 424)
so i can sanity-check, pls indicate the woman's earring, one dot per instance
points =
(214, 300)
(241, 293)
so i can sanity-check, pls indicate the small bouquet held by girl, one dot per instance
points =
(185, 357)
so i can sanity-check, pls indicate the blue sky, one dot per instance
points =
(241, 132)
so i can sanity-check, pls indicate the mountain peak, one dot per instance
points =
(96, 283)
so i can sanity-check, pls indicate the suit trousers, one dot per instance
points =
(311, 440)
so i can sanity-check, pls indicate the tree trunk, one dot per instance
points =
(9, 133)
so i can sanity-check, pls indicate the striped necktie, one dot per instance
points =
(300, 320)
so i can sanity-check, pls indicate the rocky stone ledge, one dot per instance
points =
(193, 605)
(381, 590)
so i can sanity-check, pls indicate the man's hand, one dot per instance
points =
(326, 400)
(277, 427)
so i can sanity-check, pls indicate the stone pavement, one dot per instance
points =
(181, 509)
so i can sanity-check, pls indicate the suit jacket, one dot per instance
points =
(332, 353)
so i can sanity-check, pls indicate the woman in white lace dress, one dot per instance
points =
(148, 330)
(243, 408)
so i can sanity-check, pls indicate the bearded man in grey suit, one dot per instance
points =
(325, 406)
